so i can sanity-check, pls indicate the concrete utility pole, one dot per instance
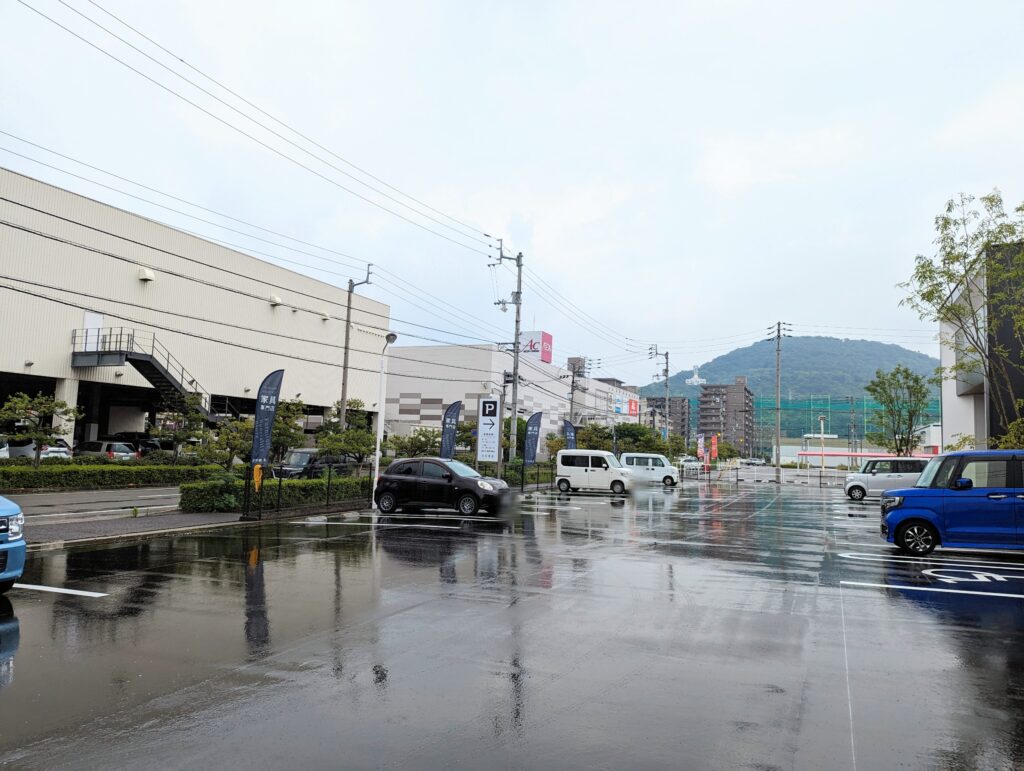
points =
(653, 353)
(505, 378)
(517, 300)
(348, 335)
(779, 331)
(578, 369)
(668, 408)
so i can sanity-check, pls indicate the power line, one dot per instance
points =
(246, 134)
(361, 263)
(197, 336)
(282, 123)
(210, 283)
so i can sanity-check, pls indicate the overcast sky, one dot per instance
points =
(686, 173)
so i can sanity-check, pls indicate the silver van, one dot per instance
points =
(879, 474)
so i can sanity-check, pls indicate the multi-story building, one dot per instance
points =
(124, 316)
(678, 414)
(728, 411)
(424, 380)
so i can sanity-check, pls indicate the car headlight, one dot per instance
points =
(890, 502)
(484, 485)
(15, 526)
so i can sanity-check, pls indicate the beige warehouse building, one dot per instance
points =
(122, 315)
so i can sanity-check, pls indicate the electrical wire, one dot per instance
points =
(282, 123)
(246, 134)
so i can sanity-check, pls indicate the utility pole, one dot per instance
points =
(578, 366)
(778, 332)
(517, 300)
(505, 378)
(653, 353)
(348, 334)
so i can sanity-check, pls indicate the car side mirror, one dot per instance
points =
(448, 477)
(963, 484)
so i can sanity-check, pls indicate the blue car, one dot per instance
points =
(12, 544)
(972, 499)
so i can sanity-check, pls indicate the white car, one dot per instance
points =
(113, 450)
(880, 474)
(590, 470)
(650, 467)
(26, 448)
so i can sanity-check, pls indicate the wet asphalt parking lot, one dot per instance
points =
(711, 626)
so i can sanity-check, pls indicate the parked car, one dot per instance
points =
(971, 499)
(590, 470)
(688, 463)
(5, 451)
(650, 467)
(141, 442)
(415, 483)
(12, 544)
(26, 448)
(879, 474)
(752, 462)
(113, 450)
(309, 463)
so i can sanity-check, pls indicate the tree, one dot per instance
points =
(553, 442)
(39, 418)
(185, 424)
(635, 437)
(355, 443)
(464, 434)
(902, 396)
(974, 287)
(594, 437)
(233, 440)
(676, 447)
(422, 441)
(726, 450)
(288, 429)
(520, 435)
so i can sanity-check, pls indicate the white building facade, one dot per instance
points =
(116, 313)
(423, 380)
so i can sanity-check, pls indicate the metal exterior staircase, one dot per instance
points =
(116, 346)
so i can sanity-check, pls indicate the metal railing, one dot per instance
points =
(130, 341)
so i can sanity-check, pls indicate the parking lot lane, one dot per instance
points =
(705, 626)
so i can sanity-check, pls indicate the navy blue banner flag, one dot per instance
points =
(532, 438)
(266, 408)
(570, 436)
(449, 427)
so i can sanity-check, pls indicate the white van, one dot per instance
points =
(590, 470)
(650, 467)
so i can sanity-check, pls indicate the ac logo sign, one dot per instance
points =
(536, 344)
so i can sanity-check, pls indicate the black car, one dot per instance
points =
(438, 483)
(308, 463)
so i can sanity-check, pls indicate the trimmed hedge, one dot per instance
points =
(153, 459)
(67, 476)
(227, 493)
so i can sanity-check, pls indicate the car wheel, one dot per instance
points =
(5, 586)
(563, 485)
(468, 505)
(618, 488)
(386, 503)
(668, 482)
(856, 493)
(917, 538)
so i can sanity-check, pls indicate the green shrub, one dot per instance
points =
(71, 476)
(227, 493)
(155, 458)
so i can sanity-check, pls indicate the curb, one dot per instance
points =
(102, 539)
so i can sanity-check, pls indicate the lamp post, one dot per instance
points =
(388, 340)
(821, 430)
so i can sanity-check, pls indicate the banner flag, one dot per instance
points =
(532, 438)
(570, 436)
(266, 410)
(449, 427)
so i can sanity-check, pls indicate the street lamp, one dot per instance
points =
(388, 340)
(821, 433)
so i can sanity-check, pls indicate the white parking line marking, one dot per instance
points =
(917, 560)
(57, 590)
(932, 589)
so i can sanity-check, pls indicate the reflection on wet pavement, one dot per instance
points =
(710, 625)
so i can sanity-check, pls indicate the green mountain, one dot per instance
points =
(811, 366)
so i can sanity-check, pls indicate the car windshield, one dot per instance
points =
(864, 467)
(462, 469)
(298, 458)
(613, 461)
(928, 475)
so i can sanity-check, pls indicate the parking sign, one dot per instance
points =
(488, 438)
